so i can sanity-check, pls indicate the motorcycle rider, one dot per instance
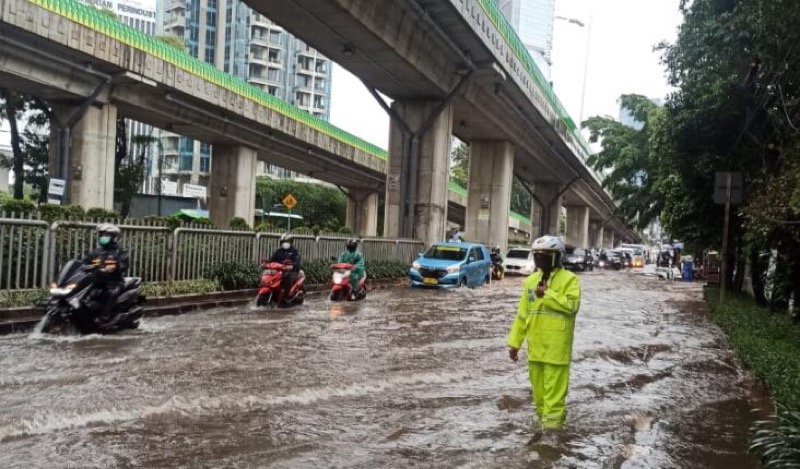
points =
(111, 263)
(351, 255)
(287, 255)
(545, 318)
(497, 260)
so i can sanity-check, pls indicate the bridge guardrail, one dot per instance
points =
(32, 251)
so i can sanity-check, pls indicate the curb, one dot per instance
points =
(22, 319)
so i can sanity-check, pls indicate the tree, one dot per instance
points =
(29, 143)
(322, 207)
(11, 111)
(459, 164)
(130, 169)
(627, 158)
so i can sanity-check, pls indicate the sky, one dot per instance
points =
(621, 61)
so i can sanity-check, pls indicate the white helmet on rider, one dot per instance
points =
(550, 244)
(107, 234)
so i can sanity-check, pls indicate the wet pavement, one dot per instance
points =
(407, 378)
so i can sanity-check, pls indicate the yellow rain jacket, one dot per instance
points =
(548, 322)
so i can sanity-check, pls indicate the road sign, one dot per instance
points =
(194, 191)
(289, 201)
(56, 187)
(721, 187)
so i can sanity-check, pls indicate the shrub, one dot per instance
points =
(234, 275)
(239, 223)
(778, 443)
(101, 214)
(180, 288)
(19, 207)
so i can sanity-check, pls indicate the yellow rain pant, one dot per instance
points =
(549, 385)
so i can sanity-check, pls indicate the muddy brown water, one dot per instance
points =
(408, 378)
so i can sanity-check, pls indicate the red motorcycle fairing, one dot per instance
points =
(341, 289)
(270, 289)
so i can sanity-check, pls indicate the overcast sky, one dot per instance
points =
(621, 60)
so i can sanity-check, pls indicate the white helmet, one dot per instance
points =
(550, 244)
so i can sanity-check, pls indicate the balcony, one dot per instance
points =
(176, 5)
(263, 80)
(178, 21)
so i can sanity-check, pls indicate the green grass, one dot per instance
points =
(769, 344)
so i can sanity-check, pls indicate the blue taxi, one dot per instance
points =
(450, 265)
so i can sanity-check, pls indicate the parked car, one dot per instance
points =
(450, 265)
(577, 259)
(519, 261)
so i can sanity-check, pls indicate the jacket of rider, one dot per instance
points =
(356, 259)
(106, 257)
(548, 323)
(290, 255)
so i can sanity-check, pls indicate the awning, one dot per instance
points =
(192, 214)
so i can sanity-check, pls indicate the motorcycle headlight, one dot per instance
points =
(453, 268)
(56, 290)
(416, 265)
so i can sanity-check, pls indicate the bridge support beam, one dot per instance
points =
(578, 226)
(233, 184)
(608, 239)
(362, 212)
(547, 216)
(418, 170)
(491, 169)
(91, 141)
(599, 234)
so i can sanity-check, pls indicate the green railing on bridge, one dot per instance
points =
(93, 18)
(491, 8)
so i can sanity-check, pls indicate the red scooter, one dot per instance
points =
(341, 289)
(270, 291)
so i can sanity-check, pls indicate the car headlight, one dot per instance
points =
(453, 268)
(579, 259)
(416, 265)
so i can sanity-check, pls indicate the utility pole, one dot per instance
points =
(723, 281)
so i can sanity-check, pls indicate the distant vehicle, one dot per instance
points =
(450, 265)
(519, 261)
(578, 259)
(637, 253)
(614, 260)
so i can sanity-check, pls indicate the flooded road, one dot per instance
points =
(408, 378)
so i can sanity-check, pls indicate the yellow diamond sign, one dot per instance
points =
(289, 201)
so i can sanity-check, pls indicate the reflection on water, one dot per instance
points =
(405, 378)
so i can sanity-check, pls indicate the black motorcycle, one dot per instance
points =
(76, 303)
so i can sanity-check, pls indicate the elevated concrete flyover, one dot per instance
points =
(451, 66)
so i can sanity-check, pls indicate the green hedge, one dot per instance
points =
(769, 344)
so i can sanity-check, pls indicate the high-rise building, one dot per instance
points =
(140, 15)
(239, 41)
(533, 22)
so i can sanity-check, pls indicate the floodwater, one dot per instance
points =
(407, 378)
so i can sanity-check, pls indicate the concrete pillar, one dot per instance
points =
(599, 237)
(578, 226)
(608, 239)
(233, 184)
(548, 194)
(92, 145)
(491, 169)
(362, 212)
(429, 172)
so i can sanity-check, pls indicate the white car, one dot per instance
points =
(519, 261)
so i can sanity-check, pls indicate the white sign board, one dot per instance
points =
(56, 187)
(195, 191)
(169, 187)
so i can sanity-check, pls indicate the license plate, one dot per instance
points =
(430, 281)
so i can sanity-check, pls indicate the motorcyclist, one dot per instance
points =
(497, 260)
(111, 263)
(351, 255)
(287, 255)
(545, 319)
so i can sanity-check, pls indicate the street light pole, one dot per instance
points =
(588, 27)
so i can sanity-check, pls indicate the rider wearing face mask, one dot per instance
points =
(546, 319)
(290, 257)
(111, 263)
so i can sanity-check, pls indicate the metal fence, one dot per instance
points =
(32, 251)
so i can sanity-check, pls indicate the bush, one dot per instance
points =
(234, 275)
(19, 207)
(180, 288)
(101, 214)
(239, 223)
(778, 443)
(18, 298)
